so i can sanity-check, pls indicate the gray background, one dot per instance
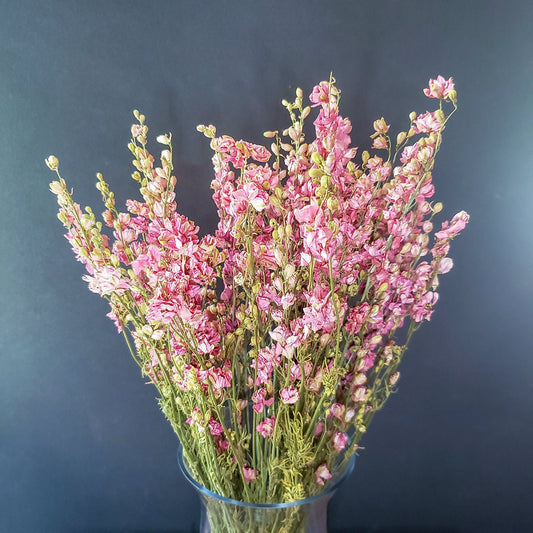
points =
(83, 447)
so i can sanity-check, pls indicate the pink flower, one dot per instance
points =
(259, 153)
(380, 126)
(215, 427)
(427, 123)
(289, 395)
(359, 394)
(266, 427)
(223, 144)
(452, 228)
(380, 143)
(249, 473)
(322, 474)
(306, 214)
(320, 93)
(339, 441)
(439, 88)
(196, 419)
(259, 401)
(337, 410)
(108, 280)
(445, 265)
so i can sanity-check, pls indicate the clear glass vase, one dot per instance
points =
(224, 515)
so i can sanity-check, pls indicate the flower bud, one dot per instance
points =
(147, 330)
(332, 203)
(439, 115)
(452, 95)
(317, 159)
(437, 208)
(52, 162)
(164, 139)
(57, 187)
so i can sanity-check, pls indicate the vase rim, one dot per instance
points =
(330, 488)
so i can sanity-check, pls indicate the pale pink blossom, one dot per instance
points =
(439, 88)
(452, 228)
(339, 441)
(196, 420)
(445, 265)
(306, 214)
(259, 400)
(337, 410)
(322, 474)
(289, 395)
(108, 280)
(380, 126)
(266, 427)
(380, 143)
(427, 123)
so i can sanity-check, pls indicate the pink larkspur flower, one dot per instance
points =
(439, 88)
(380, 126)
(289, 395)
(259, 400)
(266, 427)
(108, 280)
(320, 93)
(445, 265)
(249, 473)
(306, 214)
(452, 228)
(339, 441)
(380, 143)
(322, 474)
(215, 428)
(337, 410)
(427, 123)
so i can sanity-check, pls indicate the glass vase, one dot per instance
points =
(224, 515)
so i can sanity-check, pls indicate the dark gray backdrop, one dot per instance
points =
(83, 447)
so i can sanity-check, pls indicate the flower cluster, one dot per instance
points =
(273, 342)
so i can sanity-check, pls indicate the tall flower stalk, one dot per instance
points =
(274, 342)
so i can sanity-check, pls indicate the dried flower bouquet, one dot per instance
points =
(274, 342)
